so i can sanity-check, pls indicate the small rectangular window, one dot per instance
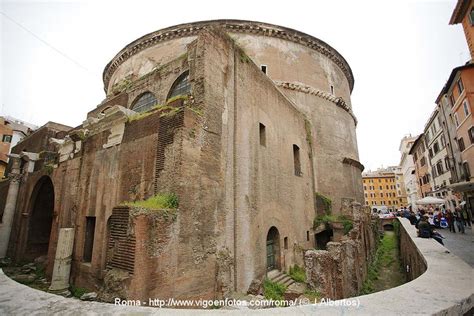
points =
(466, 108)
(285, 242)
(89, 238)
(467, 171)
(461, 144)
(307, 235)
(471, 134)
(7, 138)
(471, 16)
(263, 137)
(460, 86)
(264, 68)
(296, 160)
(332, 90)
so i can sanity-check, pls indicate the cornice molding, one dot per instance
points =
(339, 101)
(233, 26)
(353, 162)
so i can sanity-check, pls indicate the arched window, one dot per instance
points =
(181, 86)
(144, 102)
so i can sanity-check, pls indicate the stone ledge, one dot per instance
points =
(435, 292)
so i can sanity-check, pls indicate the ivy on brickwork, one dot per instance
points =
(326, 202)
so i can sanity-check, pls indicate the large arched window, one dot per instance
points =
(181, 86)
(144, 102)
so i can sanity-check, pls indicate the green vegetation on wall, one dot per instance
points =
(48, 169)
(347, 223)
(156, 202)
(122, 85)
(326, 219)
(309, 136)
(325, 201)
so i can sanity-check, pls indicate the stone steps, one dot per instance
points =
(279, 277)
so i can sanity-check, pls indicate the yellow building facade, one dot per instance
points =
(382, 188)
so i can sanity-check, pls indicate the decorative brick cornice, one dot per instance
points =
(324, 95)
(233, 26)
(354, 163)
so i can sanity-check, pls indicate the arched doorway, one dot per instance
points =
(41, 218)
(273, 249)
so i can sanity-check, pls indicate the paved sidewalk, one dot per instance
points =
(462, 245)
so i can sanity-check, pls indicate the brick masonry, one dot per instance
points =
(231, 188)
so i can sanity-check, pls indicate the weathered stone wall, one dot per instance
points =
(340, 271)
(151, 266)
(311, 73)
(91, 184)
(334, 138)
(412, 260)
(39, 140)
(147, 60)
(232, 189)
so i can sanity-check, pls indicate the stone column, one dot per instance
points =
(10, 205)
(62, 260)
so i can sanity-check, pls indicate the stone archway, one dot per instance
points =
(273, 249)
(41, 218)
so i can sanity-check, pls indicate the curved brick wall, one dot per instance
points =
(312, 74)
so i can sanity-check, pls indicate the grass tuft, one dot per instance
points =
(78, 291)
(298, 274)
(159, 201)
(273, 290)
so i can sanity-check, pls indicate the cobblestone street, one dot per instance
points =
(461, 245)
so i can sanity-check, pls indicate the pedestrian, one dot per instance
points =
(426, 231)
(465, 215)
(450, 219)
(459, 220)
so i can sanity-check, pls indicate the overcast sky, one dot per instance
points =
(401, 53)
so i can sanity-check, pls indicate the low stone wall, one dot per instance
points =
(412, 259)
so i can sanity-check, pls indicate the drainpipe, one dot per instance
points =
(10, 205)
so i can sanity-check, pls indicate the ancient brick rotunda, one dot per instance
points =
(245, 125)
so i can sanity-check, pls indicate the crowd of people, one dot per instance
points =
(427, 220)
